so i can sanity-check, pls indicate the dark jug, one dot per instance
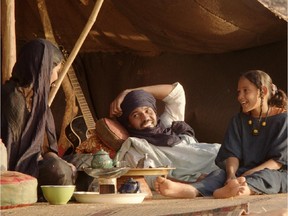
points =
(130, 186)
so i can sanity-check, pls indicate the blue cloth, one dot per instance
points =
(23, 131)
(251, 150)
(213, 181)
(133, 100)
(158, 135)
(265, 181)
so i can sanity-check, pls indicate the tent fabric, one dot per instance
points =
(279, 7)
(210, 81)
(203, 44)
(156, 26)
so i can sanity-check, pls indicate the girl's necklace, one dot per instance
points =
(256, 127)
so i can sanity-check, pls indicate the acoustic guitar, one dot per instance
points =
(83, 126)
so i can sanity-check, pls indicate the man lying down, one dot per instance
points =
(167, 139)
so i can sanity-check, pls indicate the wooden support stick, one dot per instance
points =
(76, 48)
(8, 38)
(71, 109)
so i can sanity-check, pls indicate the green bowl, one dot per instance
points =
(58, 194)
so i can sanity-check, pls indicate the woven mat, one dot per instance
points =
(236, 210)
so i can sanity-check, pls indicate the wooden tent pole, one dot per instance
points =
(71, 109)
(8, 38)
(76, 48)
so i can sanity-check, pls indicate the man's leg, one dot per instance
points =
(205, 187)
(170, 188)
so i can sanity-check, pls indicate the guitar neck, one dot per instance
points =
(87, 115)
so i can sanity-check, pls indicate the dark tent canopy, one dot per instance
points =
(204, 44)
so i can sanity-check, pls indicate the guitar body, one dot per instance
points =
(76, 131)
(81, 127)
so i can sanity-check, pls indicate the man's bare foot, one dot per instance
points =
(234, 187)
(169, 188)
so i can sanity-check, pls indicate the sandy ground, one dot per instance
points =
(271, 205)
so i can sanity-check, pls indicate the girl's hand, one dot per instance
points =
(248, 172)
(230, 178)
(232, 165)
(270, 164)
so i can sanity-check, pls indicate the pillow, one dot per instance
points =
(111, 133)
(3, 158)
(92, 145)
(17, 189)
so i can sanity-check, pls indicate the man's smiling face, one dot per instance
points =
(143, 117)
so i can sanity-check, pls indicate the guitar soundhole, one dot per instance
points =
(76, 131)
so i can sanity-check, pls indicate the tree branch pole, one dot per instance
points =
(8, 38)
(76, 48)
(71, 109)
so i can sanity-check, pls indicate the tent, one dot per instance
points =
(203, 44)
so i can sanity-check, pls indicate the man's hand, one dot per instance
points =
(158, 91)
(115, 108)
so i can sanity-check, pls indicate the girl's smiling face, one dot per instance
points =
(249, 96)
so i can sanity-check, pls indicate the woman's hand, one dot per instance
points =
(54, 155)
(74, 171)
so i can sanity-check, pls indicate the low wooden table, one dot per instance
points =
(138, 174)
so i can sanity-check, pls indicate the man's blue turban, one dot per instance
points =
(133, 100)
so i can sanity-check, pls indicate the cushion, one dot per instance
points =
(92, 145)
(111, 133)
(3, 158)
(17, 189)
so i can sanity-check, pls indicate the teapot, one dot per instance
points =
(146, 162)
(130, 186)
(102, 160)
